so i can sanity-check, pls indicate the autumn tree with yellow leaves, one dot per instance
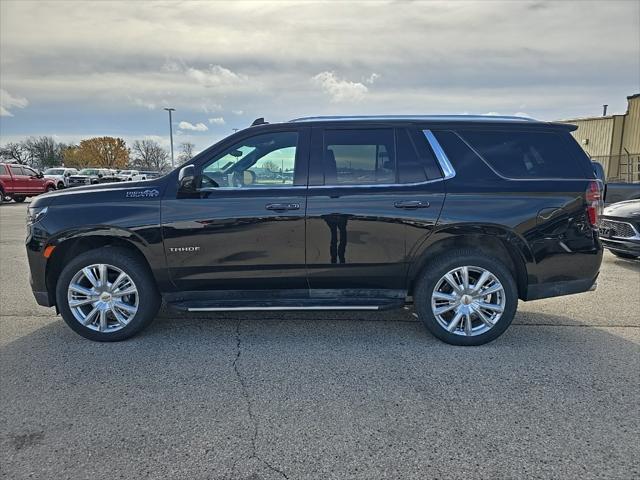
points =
(104, 152)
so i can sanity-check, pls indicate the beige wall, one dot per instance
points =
(631, 135)
(608, 137)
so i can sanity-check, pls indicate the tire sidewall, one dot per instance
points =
(426, 285)
(148, 297)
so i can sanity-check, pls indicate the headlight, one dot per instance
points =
(35, 214)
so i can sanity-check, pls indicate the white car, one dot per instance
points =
(60, 175)
(130, 175)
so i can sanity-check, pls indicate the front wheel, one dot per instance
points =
(466, 298)
(19, 198)
(50, 188)
(107, 294)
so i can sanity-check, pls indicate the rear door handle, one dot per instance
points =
(411, 204)
(282, 206)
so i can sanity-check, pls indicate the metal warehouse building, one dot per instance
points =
(614, 141)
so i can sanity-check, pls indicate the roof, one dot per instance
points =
(419, 118)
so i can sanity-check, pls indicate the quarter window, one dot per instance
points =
(519, 154)
(262, 161)
(359, 157)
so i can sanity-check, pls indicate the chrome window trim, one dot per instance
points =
(441, 156)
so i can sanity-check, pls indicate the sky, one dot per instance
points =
(79, 69)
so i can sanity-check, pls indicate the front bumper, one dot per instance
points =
(630, 247)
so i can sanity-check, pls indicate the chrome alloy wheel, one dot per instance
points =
(468, 301)
(103, 298)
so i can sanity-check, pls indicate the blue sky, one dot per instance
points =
(80, 69)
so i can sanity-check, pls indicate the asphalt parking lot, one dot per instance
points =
(321, 395)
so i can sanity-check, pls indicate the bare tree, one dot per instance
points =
(43, 152)
(15, 151)
(149, 155)
(186, 151)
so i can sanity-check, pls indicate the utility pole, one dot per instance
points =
(171, 132)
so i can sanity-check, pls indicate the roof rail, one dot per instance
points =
(433, 118)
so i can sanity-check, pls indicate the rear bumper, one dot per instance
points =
(557, 289)
(631, 247)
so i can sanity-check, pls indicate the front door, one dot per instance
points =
(34, 183)
(244, 227)
(367, 187)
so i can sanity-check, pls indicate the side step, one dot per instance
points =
(284, 304)
(287, 300)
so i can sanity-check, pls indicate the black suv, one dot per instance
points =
(461, 216)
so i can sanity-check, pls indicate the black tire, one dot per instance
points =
(447, 262)
(50, 188)
(627, 256)
(138, 271)
(19, 198)
(60, 186)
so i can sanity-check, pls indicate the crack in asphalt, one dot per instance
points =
(249, 404)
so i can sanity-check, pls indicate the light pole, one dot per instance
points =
(171, 132)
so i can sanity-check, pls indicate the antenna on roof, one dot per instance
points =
(258, 121)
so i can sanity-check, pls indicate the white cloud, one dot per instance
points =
(198, 127)
(8, 101)
(143, 103)
(210, 107)
(215, 76)
(372, 78)
(340, 90)
(217, 121)
(237, 112)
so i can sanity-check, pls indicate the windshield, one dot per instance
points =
(125, 172)
(54, 171)
(88, 171)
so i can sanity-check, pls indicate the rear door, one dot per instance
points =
(368, 187)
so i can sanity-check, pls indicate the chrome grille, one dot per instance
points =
(612, 228)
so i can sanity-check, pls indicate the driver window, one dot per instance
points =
(257, 162)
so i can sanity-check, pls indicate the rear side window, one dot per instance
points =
(359, 157)
(416, 161)
(519, 154)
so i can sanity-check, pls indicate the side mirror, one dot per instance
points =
(40, 175)
(186, 179)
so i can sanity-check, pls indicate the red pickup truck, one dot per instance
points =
(19, 182)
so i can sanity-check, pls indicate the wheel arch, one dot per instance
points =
(492, 240)
(72, 245)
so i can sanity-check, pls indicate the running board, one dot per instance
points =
(259, 308)
(274, 300)
(286, 304)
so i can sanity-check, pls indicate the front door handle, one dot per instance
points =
(411, 204)
(282, 206)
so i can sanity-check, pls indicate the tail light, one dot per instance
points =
(593, 197)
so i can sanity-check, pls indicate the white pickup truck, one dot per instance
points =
(60, 175)
(130, 175)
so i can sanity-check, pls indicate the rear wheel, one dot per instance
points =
(107, 294)
(466, 298)
(19, 198)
